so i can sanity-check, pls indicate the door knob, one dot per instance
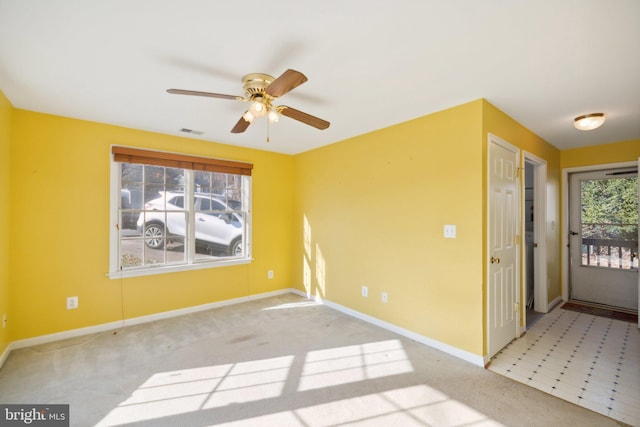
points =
(495, 260)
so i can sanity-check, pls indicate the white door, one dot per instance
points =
(603, 237)
(502, 245)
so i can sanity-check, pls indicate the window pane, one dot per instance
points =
(131, 204)
(154, 174)
(131, 196)
(129, 219)
(219, 181)
(175, 250)
(217, 230)
(235, 192)
(132, 252)
(202, 181)
(174, 178)
(609, 222)
(217, 206)
(152, 192)
(131, 174)
(204, 205)
(154, 257)
(204, 253)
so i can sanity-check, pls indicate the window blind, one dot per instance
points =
(174, 160)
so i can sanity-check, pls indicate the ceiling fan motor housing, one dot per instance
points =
(256, 83)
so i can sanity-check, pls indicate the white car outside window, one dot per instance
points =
(217, 227)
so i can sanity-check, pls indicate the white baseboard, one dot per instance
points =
(554, 303)
(446, 348)
(203, 307)
(5, 354)
(43, 339)
(73, 333)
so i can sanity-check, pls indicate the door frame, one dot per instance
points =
(566, 257)
(541, 303)
(491, 138)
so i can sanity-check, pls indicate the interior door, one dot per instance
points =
(603, 237)
(502, 245)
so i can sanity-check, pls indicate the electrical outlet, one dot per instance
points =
(270, 274)
(72, 303)
(450, 231)
(4, 320)
(365, 291)
(385, 297)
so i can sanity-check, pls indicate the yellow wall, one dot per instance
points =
(616, 152)
(6, 112)
(60, 226)
(370, 211)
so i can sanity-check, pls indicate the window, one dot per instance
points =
(174, 212)
(609, 223)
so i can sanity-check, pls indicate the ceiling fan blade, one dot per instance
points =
(289, 80)
(207, 94)
(241, 126)
(303, 117)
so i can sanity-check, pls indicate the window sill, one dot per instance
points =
(149, 271)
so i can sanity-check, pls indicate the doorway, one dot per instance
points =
(530, 246)
(534, 218)
(603, 237)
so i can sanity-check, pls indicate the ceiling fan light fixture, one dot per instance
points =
(589, 121)
(248, 116)
(273, 116)
(258, 108)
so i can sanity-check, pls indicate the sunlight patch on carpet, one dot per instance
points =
(343, 365)
(183, 391)
(167, 394)
(419, 405)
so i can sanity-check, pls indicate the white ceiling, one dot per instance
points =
(370, 64)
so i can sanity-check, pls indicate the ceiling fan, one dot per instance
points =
(261, 90)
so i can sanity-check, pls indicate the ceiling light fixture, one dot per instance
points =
(248, 116)
(258, 108)
(273, 116)
(589, 121)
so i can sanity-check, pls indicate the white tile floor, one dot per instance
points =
(588, 360)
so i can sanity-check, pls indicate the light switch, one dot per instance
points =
(450, 231)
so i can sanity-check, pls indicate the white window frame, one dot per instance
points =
(115, 272)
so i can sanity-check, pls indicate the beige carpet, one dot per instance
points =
(281, 361)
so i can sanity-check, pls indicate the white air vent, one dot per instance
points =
(191, 131)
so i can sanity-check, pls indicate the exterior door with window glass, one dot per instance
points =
(603, 237)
